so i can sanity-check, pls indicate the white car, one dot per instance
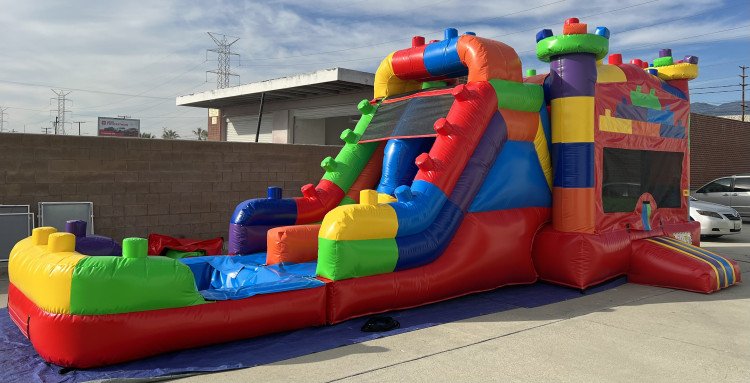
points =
(716, 220)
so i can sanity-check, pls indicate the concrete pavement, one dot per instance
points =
(630, 333)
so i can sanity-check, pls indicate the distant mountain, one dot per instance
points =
(726, 109)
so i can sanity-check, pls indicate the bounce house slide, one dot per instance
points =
(441, 189)
(668, 262)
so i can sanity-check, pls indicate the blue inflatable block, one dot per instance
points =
(672, 90)
(441, 59)
(416, 215)
(546, 126)
(263, 211)
(602, 31)
(672, 131)
(573, 164)
(543, 34)
(515, 181)
(426, 246)
(660, 116)
(398, 162)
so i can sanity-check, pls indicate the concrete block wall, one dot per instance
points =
(719, 147)
(141, 186)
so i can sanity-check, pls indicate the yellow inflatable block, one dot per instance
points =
(607, 123)
(41, 267)
(573, 119)
(542, 152)
(609, 73)
(386, 198)
(353, 222)
(682, 71)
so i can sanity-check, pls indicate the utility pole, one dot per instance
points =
(2, 118)
(743, 85)
(79, 125)
(61, 110)
(45, 130)
(224, 52)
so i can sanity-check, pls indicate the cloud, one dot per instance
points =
(158, 49)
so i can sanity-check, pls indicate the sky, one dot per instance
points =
(132, 58)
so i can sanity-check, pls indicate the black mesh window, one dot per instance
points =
(630, 173)
(408, 118)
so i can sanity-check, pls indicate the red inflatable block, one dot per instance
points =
(575, 29)
(580, 260)
(85, 341)
(158, 244)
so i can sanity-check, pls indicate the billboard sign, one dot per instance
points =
(118, 127)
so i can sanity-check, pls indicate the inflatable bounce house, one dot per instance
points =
(461, 176)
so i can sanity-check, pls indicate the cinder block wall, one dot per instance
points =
(141, 186)
(718, 147)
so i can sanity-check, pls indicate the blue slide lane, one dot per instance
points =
(425, 246)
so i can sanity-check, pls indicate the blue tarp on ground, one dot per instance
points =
(20, 363)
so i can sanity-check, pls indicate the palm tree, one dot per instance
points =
(201, 133)
(169, 134)
(147, 135)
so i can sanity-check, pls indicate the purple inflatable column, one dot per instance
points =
(76, 227)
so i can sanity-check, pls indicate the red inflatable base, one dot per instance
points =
(85, 341)
(583, 260)
(489, 250)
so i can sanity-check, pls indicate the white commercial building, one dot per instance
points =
(310, 108)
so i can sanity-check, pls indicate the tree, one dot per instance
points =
(147, 135)
(169, 134)
(201, 133)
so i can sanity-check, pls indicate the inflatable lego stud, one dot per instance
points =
(274, 192)
(91, 244)
(575, 39)
(349, 137)
(135, 248)
(668, 69)
(530, 72)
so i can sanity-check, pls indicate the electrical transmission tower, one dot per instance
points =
(59, 123)
(224, 52)
(743, 76)
(2, 118)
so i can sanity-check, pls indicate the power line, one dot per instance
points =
(82, 90)
(718, 86)
(717, 91)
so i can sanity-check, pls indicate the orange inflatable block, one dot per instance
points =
(575, 29)
(292, 244)
(522, 126)
(642, 128)
(573, 209)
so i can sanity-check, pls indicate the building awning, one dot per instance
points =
(326, 82)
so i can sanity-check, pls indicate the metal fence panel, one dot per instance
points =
(13, 228)
(55, 214)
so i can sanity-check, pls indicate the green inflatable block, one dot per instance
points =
(646, 100)
(113, 285)
(518, 96)
(339, 260)
(565, 44)
(663, 61)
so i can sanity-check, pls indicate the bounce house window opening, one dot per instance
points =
(411, 117)
(630, 173)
